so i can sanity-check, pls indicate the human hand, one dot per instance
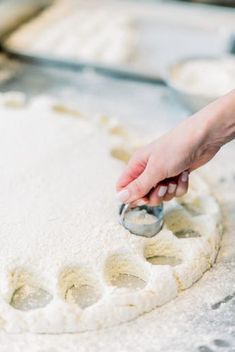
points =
(159, 171)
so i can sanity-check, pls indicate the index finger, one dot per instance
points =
(134, 168)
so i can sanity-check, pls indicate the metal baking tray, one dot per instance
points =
(15, 12)
(215, 2)
(162, 41)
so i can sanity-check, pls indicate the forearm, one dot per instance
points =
(159, 171)
(218, 121)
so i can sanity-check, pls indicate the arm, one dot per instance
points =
(159, 171)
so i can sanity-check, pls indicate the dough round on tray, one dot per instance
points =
(66, 264)
(79, 30)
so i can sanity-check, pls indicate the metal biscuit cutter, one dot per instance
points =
(138, 227)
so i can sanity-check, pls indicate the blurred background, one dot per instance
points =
(148, 64)
(182, 48)
(223, 2)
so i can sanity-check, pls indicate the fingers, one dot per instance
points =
(172, 186)
(140, 202)
(157, 195)
(141, 186)
(182, 186)
(134, 168)
(141, 191)
(165, 191)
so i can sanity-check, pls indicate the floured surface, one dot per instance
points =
(188, 323)
(54, 180)
(60, 232)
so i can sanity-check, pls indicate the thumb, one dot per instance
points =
(141, 186)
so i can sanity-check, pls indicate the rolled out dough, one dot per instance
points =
(66, 264)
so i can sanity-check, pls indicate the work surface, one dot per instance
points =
(201, 318)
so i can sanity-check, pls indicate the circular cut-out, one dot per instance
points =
(123, 272)
(187, 234)
(192, 208)
(28, 297)
(84, 295)
(164, 260)
(165, 254)
(120, 154)
(79, 286)
(129, 281)
(181, 224)
(177, 219)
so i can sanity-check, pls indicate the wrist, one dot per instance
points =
(214, 126)
(219, 121)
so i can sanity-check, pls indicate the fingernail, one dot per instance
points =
(184, 176)
(123, 195)
(162, 191)
(172, 188)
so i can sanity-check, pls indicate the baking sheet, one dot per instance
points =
(166, 33)
(15, 12)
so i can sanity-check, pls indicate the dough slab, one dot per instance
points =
(66, 265)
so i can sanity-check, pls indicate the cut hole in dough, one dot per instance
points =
(159, 254)
(164, 260)
(180, 223)
(187, 234)
(79, 286)
(28, 297)
(83, 295)
(27, 294)
(128, 281)
(63, 108)
(193, 208)
(118, 131)
(178, 219)
(198, 205)
(123, 272)
(121, 154)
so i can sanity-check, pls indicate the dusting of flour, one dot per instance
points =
(62, 248)
(141, 217)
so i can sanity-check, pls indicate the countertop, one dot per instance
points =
(202, 318)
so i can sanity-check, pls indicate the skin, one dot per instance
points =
(160, 170)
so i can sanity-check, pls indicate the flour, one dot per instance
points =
(13, 99)
(208, 77)
(66, 264)
(140, 217)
